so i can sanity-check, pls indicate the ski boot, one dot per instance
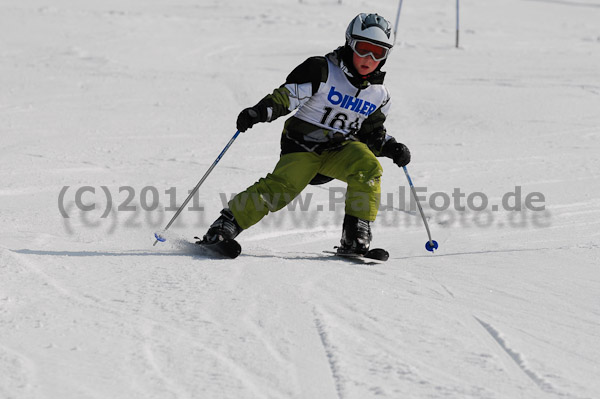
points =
(356, 236)
(222, 229)
(220, 237)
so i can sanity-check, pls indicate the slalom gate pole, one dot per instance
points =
(457, 21)
(158, 236)
(397, 20)
(430, 245)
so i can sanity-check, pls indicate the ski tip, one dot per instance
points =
(159, 237)
(379, 254)
(431, 245)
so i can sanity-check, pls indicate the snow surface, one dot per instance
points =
(144, 93)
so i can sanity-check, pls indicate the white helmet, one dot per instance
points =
(372, 28)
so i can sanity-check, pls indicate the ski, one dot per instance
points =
(227, 248)
(375, 255)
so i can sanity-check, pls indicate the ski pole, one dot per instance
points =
(158, 236)
(430, 245)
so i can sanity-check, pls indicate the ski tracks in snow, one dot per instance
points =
(298, 327)
(513, 362)
(518, 358)
(330, 353)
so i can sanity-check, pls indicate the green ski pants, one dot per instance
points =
(353, 164)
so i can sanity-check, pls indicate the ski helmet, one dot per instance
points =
(371, 28)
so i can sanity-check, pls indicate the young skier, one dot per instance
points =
(336, 133)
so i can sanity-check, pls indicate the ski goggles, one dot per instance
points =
(363, 49)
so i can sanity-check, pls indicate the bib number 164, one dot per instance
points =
(338, 121)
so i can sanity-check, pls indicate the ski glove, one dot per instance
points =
(399, 153)
(249, 117)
